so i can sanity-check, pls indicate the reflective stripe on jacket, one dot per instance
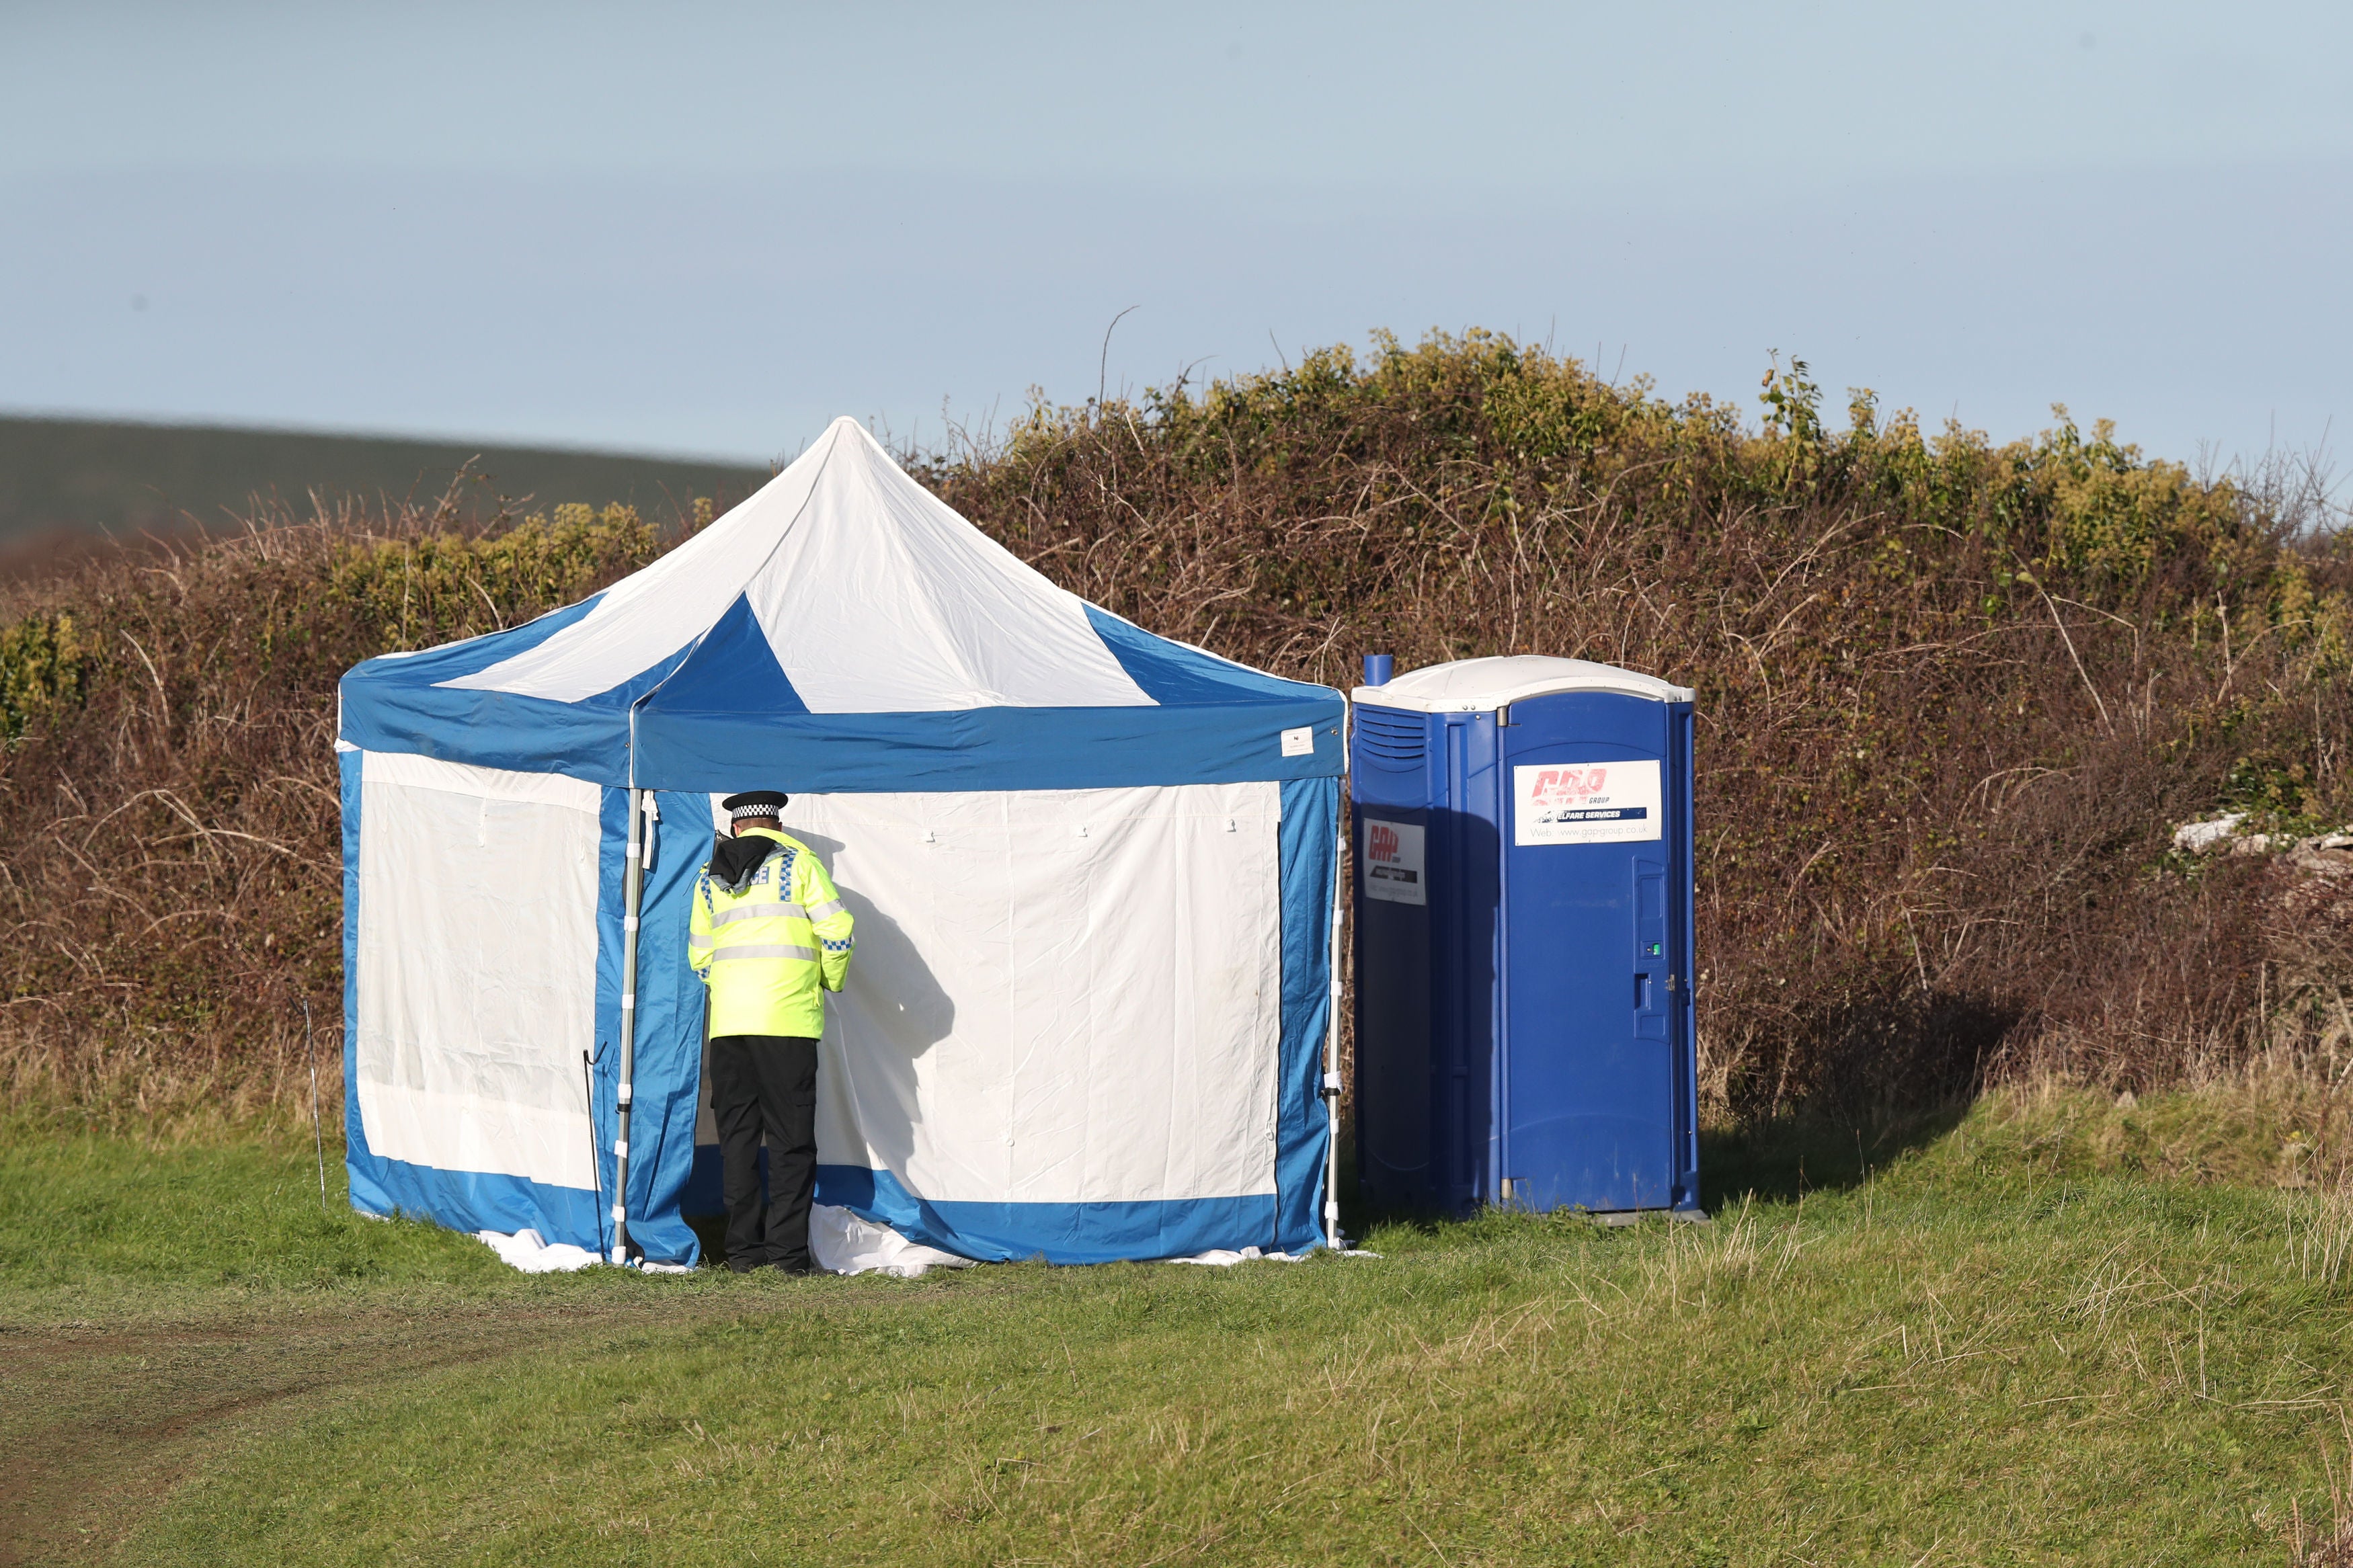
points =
(765, 951)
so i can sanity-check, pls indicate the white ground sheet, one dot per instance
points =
(527, 1251)
(1226, 1260)
(477, 967)
(1059, 995)
(838, 1240)
(530, 1253)
(841, 1241)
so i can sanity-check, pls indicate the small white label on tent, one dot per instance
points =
(1300, 742)
(1585, 803)
(1393, 871)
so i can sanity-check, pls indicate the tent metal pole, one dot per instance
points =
(1332, 1023)
(633, 887)
(633, 897)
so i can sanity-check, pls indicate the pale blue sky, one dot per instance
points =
(710, 228)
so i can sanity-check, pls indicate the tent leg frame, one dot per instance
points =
(1332, 1238)
(633, 890)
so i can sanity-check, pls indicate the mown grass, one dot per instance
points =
(1986, 1342)
(109, 1226)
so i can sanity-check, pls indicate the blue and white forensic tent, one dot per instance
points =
(1093, 871)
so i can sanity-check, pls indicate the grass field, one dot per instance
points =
(1984, 1341)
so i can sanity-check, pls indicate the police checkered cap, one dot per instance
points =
(756, 803)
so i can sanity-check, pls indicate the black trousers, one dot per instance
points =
(765, 1083)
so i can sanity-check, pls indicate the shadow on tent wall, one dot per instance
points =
(909, 1013)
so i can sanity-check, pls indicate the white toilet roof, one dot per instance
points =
(1482, 685)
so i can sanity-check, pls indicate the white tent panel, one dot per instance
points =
(882, 600)
(1059, 995)
(477, 973)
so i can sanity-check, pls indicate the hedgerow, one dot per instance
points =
(1954, 695)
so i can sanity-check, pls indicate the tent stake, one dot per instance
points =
(633, 887)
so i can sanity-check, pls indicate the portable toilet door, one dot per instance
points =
(1525, 1034)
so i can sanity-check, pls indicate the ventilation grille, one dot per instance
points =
(1391, 738)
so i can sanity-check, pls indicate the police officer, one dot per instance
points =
(768, 933)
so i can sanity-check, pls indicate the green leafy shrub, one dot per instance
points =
(440, 585)
(45, 665)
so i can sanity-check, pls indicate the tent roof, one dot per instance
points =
(843, 630)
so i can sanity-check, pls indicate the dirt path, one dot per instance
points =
(99, 1423)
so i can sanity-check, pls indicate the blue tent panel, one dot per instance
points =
(1058, 1233)
(1303, 1132)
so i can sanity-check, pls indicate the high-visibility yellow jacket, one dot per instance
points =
(765, 951)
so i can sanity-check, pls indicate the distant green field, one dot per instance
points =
(80, 475)
(1996, 1347)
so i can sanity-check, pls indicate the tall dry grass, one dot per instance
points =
(170, 840)
(1953, 696)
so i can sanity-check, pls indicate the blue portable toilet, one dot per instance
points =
(1522, 901)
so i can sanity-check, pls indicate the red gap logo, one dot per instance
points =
(1563, 786)
(1381, 844)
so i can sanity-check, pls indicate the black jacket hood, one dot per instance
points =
(736, 861)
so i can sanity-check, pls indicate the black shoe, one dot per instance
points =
(803, 1266)
(740, 1265)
